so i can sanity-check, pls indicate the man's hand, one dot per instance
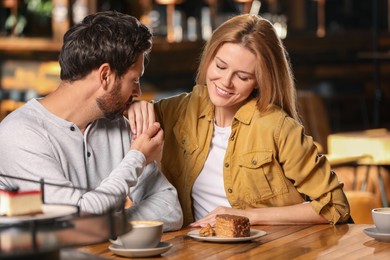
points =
(141, 116)
(150, 143)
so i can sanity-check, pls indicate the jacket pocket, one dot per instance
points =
(254, 160)
(260, 176)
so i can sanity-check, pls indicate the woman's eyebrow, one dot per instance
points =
(219, 59)
(241, 71)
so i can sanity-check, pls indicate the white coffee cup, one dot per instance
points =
(144, 234)
(381, 218)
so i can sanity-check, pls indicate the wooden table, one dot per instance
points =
(281, 242)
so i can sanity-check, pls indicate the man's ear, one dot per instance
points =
(105, 75)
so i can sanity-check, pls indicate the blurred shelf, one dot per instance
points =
(20, 45)
(174, 65)
(375, 55)
(171, 65)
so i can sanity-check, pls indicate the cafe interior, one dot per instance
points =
(339, 52)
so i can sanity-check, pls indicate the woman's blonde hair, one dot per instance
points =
(273, 73)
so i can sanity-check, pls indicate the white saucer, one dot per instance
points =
(254, 233)
(373, 232)
(146, 252)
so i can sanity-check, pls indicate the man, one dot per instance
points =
(77, 135)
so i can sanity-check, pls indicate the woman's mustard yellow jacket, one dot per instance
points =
(269, 161)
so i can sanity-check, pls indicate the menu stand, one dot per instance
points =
(44, 236)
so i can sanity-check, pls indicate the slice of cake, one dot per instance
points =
(16, 203)
(231, 226)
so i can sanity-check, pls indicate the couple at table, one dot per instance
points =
(233, 145)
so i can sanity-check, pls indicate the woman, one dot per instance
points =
(235, 145)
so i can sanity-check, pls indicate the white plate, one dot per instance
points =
(373, 232)
(48, 212)
(254, 233)
(146, 252)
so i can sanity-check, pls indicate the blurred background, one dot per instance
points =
(337, 48)
(339, 52)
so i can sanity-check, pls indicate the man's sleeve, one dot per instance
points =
(155, 198)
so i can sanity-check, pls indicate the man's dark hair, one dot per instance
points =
(104, 37)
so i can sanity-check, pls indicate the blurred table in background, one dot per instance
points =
(372, 145)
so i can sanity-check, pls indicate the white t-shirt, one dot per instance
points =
(208, 191)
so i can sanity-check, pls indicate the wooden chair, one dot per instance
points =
(361, 203)
(314, 118)
(316, 122)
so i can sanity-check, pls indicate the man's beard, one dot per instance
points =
(111, 104)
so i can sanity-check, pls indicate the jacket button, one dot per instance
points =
(72, 128)
(88, 154)
(254, 162)
(230, 190)
(232, 138)
(226, 165)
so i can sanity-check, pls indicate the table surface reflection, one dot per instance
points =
(281, 242)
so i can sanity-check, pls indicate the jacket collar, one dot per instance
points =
(205, 105)
(245, 113)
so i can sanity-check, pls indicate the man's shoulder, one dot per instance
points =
(19, 122)
(30, 107)
(16, 117)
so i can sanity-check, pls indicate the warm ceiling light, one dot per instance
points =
(168, 2)
(243, 1)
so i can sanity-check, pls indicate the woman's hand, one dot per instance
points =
(141, 116)
(210, 218)
(302, 213)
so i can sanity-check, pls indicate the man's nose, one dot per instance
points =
(137, 91)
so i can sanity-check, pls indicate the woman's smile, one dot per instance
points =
(222, 92)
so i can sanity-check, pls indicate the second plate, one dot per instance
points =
(254, 233)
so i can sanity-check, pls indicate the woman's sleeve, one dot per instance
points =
(311, 173)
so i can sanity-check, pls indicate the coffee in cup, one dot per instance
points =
(144, 234)
(381, 218)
